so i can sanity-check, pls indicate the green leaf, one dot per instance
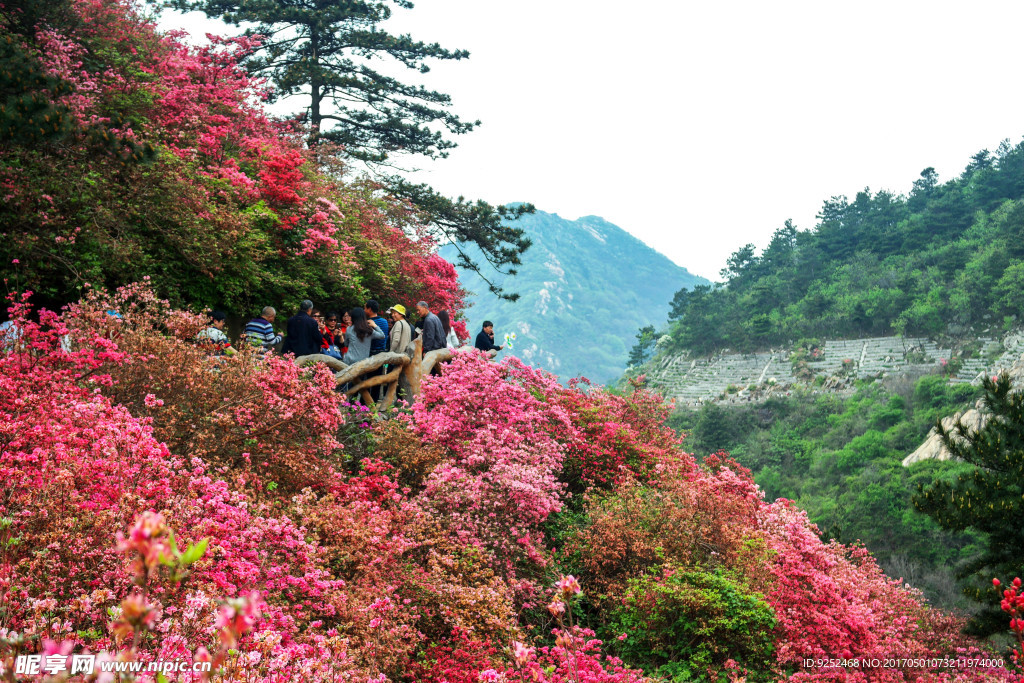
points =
(194, 552)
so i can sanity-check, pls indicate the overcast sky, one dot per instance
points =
(701, 126)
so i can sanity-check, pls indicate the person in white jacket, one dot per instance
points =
(401, 330)
(449, 334)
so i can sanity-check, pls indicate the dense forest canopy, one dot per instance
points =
(943, 259)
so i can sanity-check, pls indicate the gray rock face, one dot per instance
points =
(734, 377)
(974, 419)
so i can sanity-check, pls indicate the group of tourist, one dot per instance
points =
(350, 336)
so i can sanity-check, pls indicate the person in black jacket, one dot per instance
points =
(433, 332)
(485, 339)
(303, 332)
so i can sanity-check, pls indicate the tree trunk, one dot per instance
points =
(374, 381)
(413, 372)
(316, 91)
(364, 366)
(329, 361)
(433, 358)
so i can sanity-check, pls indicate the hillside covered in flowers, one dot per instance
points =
(161, 505)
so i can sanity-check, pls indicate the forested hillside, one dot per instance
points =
(947, 257)
(946, 263)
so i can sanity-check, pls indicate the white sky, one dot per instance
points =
(701, 126)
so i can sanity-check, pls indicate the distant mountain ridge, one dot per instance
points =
(586, 287)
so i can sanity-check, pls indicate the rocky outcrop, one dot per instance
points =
(829, 366)
(973, 419)
(932, 448)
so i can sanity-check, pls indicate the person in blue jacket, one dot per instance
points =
(485, 339)
(372, 310)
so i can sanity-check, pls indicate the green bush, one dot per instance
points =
(840, 459)
(685, 625)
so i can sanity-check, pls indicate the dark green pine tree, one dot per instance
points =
(989, 498)
(645, 342)
(28, 116)
(326, 52)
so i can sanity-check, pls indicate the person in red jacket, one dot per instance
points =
(333, 338)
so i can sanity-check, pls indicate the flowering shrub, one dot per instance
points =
(579, 663)
(835, 602)
(576, 655)
(460, 659)
(1013, 604)
(615, 436)
(424, 558)
(412, 459)
(79, 475)
(259, 415)
(687, 514)
(500, 481)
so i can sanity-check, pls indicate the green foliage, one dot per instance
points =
(685, 625)
(944, 258)
(840, 459)
(1007, 291)
(645, 341)
(989, 496)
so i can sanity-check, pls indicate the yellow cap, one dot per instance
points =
(398, 307)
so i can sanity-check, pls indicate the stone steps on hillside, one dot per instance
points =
(693, 381)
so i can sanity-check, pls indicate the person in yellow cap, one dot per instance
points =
(401, 330)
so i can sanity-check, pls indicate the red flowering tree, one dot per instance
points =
(231, 212)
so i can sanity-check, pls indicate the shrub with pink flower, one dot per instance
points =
(501, 480)
(442, 550)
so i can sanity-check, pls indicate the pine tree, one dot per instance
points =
(28, 115)
(645, 343)
(460, 222)
(988, 499)
(325, 51)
